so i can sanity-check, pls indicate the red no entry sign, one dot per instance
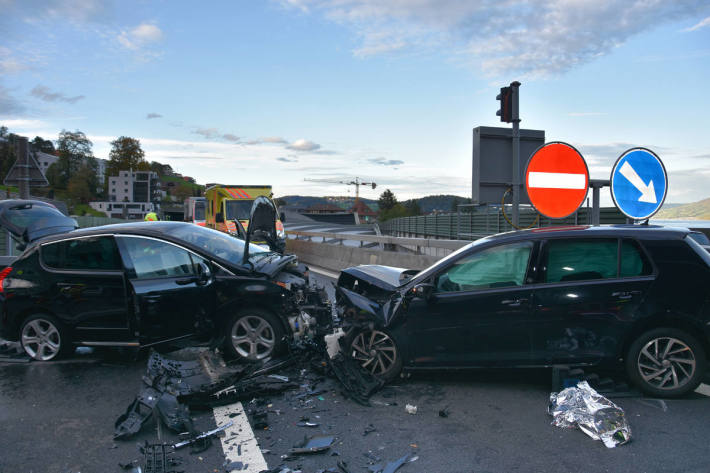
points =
(556, 180)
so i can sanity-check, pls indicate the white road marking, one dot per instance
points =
(239, 434)
(703, 389)
(557, 180)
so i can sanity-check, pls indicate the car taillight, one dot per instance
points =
(3, 275)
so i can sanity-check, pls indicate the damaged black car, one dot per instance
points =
(573, 296)
(140, 284)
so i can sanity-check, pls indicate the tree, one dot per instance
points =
(182, 192)
(161, 169)
(74, 150)
(79, 187)
(455, 205)
(3, 131)
(397, 211)
(413, 208)
(125, 154)
(387, 200)
(45, 146)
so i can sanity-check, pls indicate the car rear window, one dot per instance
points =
(580, 260)
(87, 254)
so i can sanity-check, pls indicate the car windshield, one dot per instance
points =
(199, 210)
(238, 209)
(218, 244)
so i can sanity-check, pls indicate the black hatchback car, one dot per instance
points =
(138, 284)
(555, 296)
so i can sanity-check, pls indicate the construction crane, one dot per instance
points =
(356, 182)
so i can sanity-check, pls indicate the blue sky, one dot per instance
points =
(249, 92)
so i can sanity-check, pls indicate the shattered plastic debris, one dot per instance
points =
(392, 466)
(595, 415)
(410, 409)
(313, 445)
(359, 383)
(202, 436)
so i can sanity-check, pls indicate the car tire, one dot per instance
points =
(666, 362)
(254, 335)
(376, 351)
(44, 338)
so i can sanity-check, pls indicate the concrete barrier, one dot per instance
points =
(338, 257)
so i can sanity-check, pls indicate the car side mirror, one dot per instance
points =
(422, 291)
(204, 273)
(219, 218)
(282, 217)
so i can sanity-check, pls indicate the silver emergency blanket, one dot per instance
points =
(594, 414)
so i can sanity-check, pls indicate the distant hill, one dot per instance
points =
(696, 211)
(302, 202)
(427, 204)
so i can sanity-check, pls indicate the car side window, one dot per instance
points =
(581, 260)
(156, 259)
(633, 261)
(84, 254)
(500, 266)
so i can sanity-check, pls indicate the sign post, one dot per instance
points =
(557, 180)
(639, 183)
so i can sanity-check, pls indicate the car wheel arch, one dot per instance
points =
(686, 324)
(226, 311)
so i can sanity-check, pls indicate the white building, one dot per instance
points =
(130, 194)
(45, 160)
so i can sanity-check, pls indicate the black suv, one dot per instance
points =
(554, 296)
(138, 284)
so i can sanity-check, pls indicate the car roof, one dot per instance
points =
(648, 232)
(138, 228)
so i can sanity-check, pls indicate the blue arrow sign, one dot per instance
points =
(639, 183)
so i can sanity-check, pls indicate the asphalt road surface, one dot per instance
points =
(58, 417)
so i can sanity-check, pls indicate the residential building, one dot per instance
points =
(131, 194)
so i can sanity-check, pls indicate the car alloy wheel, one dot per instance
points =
(41, 339)
(253, 338)
(666, 363)
(375, 351)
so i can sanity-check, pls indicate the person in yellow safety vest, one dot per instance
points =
(151, 217)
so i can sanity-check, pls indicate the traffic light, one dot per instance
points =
(506, 104)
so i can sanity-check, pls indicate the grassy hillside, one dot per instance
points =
(696, 211)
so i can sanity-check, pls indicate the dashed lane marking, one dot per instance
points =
(239, 434)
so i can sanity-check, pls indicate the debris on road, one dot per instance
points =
(392, 466)
(12, 352)
(203, 435)
(444, 412)
(410, 409)
(592, 413)
(313, 445)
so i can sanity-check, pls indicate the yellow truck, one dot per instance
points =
(227, 203)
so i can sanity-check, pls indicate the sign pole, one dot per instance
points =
(516, 153)
(597, 184)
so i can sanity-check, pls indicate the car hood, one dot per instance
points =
(262, 224)
(272, 263)
(384, 277)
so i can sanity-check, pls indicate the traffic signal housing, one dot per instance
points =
(506, 104)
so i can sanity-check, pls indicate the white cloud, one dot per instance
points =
(540, 38)
(207, 133)
(230, 137)
(701, 24)
(153, 115)
(44, 93)
(303, 145)
(22, 123)
(9, 105)
(140, 36)
(386, 162)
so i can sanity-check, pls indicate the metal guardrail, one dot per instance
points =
(418, 243)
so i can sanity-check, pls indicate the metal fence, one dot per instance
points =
(479, 221)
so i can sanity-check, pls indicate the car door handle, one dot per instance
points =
(513, 302)
(152, 299)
